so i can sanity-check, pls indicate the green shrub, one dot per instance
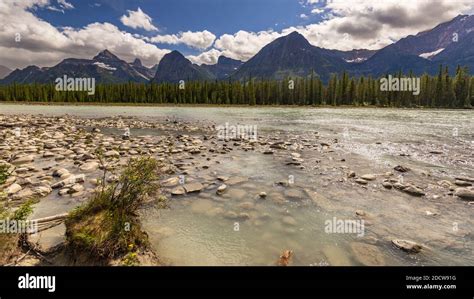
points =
(108, 223)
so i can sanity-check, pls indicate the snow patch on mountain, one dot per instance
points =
(356, 60)
(430, 55)
(105, 66)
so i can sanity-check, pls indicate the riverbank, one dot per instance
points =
(118, 104)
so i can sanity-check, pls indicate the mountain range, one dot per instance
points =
(4, 71)
(450, 43)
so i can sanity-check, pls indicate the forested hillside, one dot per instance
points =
(442, 90)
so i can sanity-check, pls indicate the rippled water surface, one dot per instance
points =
(196, 231)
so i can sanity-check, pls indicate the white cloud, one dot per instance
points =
(354, 24)
(42, 44)
(65, 5)
(303, 16)
(243, 44)
(199, 39)
(209, 57)
(138, 19)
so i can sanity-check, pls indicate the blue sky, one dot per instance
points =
(171, 16)
(43, 32)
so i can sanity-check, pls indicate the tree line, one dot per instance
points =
(440, 91)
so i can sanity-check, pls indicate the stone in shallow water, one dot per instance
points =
(171, 182)
(368, 255)
(462, 183)
(401, 168)
(178, 191)
(234, 193)
(60, 172)
(193, 187)
(247, 205)
(222, 188)
(336, 256)
(89, 166)
(202, 206)
(111, 153)
(24, 159)
(466, 179)
(12, 189)
(368, 177)
(288, 220)
(406, 245)
(412, 190)
(294, 194)
(236, 180)
(464, 193)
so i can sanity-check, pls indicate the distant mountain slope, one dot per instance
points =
(224, 67)
(4, 71)
(105, 67)
(450, 43)
(290, 55)
(459, 53)
(174, 67)
(149, 73)
(437, 38)
(354, 56)
(425, 51)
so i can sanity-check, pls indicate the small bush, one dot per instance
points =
(108, 223)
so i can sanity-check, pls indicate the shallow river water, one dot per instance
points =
(435, 144)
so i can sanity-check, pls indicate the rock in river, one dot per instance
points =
(70, 180)
(221, 189)
(406, 245)
(89, 166)
(111, 153)
(171, 182)
(294, 194)
(464, 193)
(193, 187)
(461, 183)
(12, 189)
(24, 159)
(400, 168)
(368, 255)
(178, 191)
(412, 190)
(368, 177)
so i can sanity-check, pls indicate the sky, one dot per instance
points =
(43, 32)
